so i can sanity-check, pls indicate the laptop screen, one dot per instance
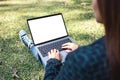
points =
(47, 28)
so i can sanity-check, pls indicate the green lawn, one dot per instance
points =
(14, 56)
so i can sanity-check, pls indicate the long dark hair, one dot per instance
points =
(110, 12)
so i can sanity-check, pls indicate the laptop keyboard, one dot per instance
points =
(56, 45)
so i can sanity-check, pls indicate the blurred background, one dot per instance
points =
(16, 62)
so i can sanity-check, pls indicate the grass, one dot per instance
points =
(80, 22)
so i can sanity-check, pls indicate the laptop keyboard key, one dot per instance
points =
(56, 45)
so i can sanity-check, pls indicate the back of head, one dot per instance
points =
(110, 12)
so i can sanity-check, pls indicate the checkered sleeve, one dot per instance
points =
(70, 70)
(86, 63)
(52, 68)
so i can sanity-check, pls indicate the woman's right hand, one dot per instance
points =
(69, 47)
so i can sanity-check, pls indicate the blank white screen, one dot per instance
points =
(47, 28)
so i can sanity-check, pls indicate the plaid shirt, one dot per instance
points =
(86, 63)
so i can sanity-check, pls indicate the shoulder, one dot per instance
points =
(91, 54)
(89, 61)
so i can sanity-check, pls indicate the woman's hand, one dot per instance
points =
(55, 54)
(69, 47)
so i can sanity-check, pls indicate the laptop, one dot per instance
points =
(48, 32)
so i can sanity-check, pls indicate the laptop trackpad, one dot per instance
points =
(63, 55)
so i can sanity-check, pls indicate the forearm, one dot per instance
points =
(52, 69)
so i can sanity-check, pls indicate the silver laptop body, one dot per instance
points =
(46, 31)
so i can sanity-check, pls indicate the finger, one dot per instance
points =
(49, 55)
(52, 51)
(66, 44)
(58, 55)
(65, 47)
(68, 50)
(55, 50)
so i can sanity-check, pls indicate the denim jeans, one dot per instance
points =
(35, 53)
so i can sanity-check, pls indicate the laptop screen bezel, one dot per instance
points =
(44, 17)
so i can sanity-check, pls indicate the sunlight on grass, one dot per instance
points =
(79, 19)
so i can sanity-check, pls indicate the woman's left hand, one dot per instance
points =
(55, 54)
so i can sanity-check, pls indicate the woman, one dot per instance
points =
(98, 61)
(92, 62)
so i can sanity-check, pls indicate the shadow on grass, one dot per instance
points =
(83, 39)
(83, 16)
(50, 7)
(8, 45)
(81, 1)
